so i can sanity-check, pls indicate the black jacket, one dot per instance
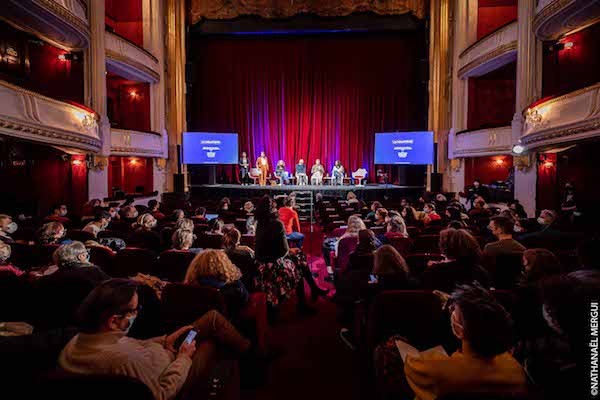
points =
(271, 241)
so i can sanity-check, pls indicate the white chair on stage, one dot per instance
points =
(316, 178)
(255, 174)
(301, 178)
(359, 175)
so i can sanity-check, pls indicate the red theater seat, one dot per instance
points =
(183, 304)
(102, 257)
(173, 264)
(426, 244)
(402, 244)
(131, 260)
(79, 235)
(417, 262)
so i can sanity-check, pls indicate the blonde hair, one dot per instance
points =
(144, 221)
(355, 225)
(185, 224)
(48, 232)
(212, 264)
(350, 196)
(248, 206)
(5, 252)
(181, 237)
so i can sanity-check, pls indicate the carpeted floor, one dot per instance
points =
(315, 364)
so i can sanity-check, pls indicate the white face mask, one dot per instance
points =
(105, 225)
(12, 227)
(131, 321)
(135, 214)
(63, 213)
(517, 229)
(541, 221)
(113, 214)
(426, 210)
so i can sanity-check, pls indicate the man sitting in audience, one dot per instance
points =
(290, 220)
(502, 229)
(7, 228)
(154, 209)
(199, 216)
(59, 214)
(374, 207)
(102, 346)
(479, 211)
(100, 223)
(483, 364)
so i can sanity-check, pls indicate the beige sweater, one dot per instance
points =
(115, 354)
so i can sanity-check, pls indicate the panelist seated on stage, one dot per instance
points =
(337, 173)
(281, 173)
(316, 173)
(301, 177)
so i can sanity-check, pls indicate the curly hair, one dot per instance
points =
(212, 264)
(47, 233)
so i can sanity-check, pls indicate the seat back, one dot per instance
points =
(131, 260)
(506, 270)
(417, 262)
(182, 304)
(413, 232)
(79, 235)
(402, 244)
(413, 314)
(210, 241)
(95, 387)
(112, 234)
(172, 265)
(345, 247)
(426, 243)
(102, 257)
(248, 240)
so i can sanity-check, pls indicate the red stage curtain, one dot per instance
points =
(310, 96)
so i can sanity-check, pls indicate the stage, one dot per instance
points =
(368, 192)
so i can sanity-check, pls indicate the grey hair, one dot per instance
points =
(180, 237)
(68, 253)
(5, 251)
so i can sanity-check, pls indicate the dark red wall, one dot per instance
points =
(36, 176)
(568, 70)
(492, 98)
(124, 110)
(37, 66)
(493, 14)
(548, 193)
(127, 175)
(125, 17)
(487, 169)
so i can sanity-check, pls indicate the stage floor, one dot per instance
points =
(368, 192)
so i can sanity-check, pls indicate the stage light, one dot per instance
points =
(518, 149)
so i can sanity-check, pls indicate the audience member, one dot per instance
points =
(483, 365)
(7, 228)
(90, 209)
(502, 229)
(374, 207)
(143, 236)
(100, 223)
(177, 215)
(241, 256)
(351, 199)
(290, 220)
(362, 257)
(183, 239)
(248, 208)
(430, 214)
(5, 265)
(518, 208)
(395, 226)
(154, 209)
(58, 213)
(380, 215)
(216, 226)
(477, 190)
(461, 264)
(200, 216)
(355, 225)
(479, 211)
(102, 346)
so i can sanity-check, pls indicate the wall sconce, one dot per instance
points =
(67, 57)
(518, 149)
(77, 163)
(499, 161)
(133, 94)
(133, 161)
(569, 45)
(548, 164)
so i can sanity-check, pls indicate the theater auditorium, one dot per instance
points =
(299, 199)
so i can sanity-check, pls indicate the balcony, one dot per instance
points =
(32, 116)
(63, 23)
(564, 119)
(490, 52)
(130, 61)
(480, 143)
(555, 18)
(136, 143)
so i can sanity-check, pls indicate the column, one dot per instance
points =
(175, 86)
(96, 77)
(529, 76)
(439, 82)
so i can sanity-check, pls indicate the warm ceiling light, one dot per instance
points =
(133, 161)
(518, 149)
(132, 94)
(77, 162)
(499, 161)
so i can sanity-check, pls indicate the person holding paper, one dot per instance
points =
(483, 364)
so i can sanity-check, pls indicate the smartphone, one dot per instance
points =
(373, 278)
(190, 336)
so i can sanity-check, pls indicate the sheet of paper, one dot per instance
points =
(405, 348)
(436, 349)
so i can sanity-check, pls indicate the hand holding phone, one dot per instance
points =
(190, 336)
(373, 279)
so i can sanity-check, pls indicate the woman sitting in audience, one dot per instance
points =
(248, 208)
(216, 226)
(103, 347)
(90, 209)
(144, 236)
(454, 215)
(430, 214)
(483, 365)
(280, 272)
(100, 223)
(362, 257)
(380, 215)
(52, 233)
(241, 256)
(461, 265)
(184, 240)
(177, 215)
(213, 268)
(355, 225)
(409, 214)
(7, 228)
(351, 199)
(5, 265)
(395, 226)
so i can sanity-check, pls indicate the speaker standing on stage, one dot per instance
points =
(316, 173)
(337, 173)
(244, 165)
(262, 163)
(301, 177)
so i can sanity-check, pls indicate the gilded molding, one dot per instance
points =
(64, 13)
(564, 97)
(129, 43)
(497, 52)
(134, 64)
(488, 36)
(537, 137)
(131, 150)
(495, 149)
(552, 11)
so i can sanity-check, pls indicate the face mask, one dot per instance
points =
(105, 225)
(541, 221)
(63, 213)
(113, 214)
(426, 210)
(12, 227)
(135, 214)
(153, 224)
(131, 321)
(517, 229)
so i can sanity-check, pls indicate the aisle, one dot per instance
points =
(315, 364)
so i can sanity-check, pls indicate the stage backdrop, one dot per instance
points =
(312, 96)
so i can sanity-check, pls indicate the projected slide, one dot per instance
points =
(210, 148)
(408, 148)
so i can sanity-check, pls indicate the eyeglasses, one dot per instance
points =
(136, 310)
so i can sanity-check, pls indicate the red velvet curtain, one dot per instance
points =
(309, 96)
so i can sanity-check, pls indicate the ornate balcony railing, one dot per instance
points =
(125, 142)
(555, 18)
(482, 142)
(130, 61)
